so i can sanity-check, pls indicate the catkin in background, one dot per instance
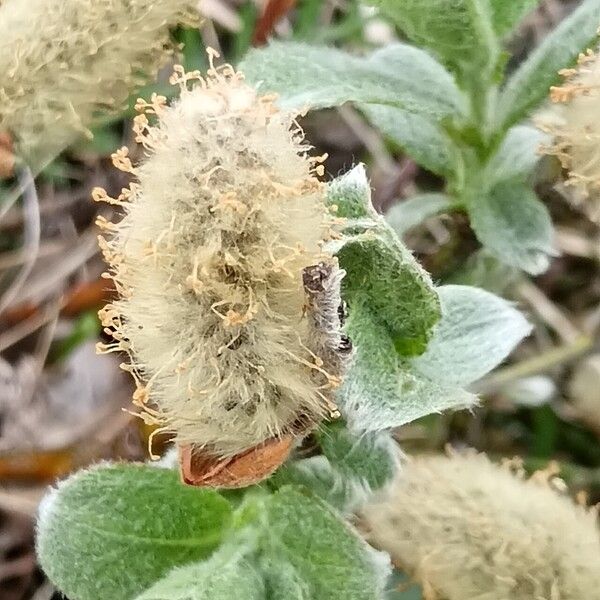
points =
(65, 62)
(466, 528)
(573, 121)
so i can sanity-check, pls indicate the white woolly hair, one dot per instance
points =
(65, 61)
(574, 121)
(209, 258)
(467, 529)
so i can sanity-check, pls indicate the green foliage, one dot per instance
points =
(518, 154)
(515, 225)
(86, 327)
(282, 580)
(325, 552)
(318, 76)
(352, 466)
(422, 139)
(529, 85)
(457, 124)
(317, 474)
(114, 530)
(458, 31)
(477, 331)
(394, 311)
(382, 389)
(507, 14)
(484, 270)
(380, 269)
(400, 295)
(351, 195)
(369, 458)
(109, 532)
(224, 576)
(406, 215)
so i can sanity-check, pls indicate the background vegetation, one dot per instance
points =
(60, 404)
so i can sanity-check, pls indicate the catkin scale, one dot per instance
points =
(224, 218)
(467, 529)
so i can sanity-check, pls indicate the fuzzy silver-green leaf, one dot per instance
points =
(419, 137)
(221, 577)
(476, 333)
(109, 532)
(324, 550)
(309, 76)
(530, 83)
(513, 224)
(412, 212)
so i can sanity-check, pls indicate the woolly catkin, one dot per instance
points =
(225, 220)
(470, 530)
(574, 122)
(65, 61)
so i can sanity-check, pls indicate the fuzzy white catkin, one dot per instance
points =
(209, 259)
(64, 62)
(467, 529)
(574, 121)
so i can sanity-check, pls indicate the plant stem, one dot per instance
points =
(537, 364)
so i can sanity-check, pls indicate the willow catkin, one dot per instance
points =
(64, 62)
(467, 529)
(217, 258)
(574, 121)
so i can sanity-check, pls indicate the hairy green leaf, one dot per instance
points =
(513, 224)
(412, 212)
(351, 194)
(484, 270)
(506, 14)
(420, 138)
(282, 580)
(324, 551)
(378, 265)
(318, 475)
(518, 154)
(477, 332)
(460, 32)
(224, 576)
(382, 389)
(352, 466)
(371, 458)
(400, 292)
(530, 84)
(109, 532)
(393, 307)
(317, 76)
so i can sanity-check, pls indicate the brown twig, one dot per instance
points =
(538, 364)
(274, 11)
(548, 311)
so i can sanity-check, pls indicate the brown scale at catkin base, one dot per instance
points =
(222, 234)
